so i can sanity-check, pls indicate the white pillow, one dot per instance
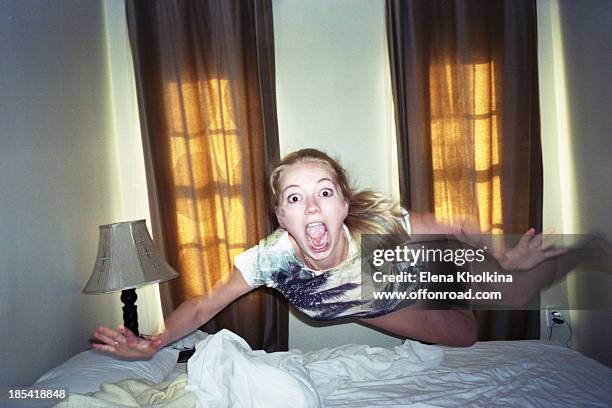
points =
(85, 372)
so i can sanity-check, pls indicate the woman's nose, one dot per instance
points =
(312, 206)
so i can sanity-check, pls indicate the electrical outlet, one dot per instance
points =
(549, 309)
(561, 330)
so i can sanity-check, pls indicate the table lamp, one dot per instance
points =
(126, 260)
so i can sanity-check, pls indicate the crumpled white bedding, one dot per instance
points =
(526, 373)
(333, 368)
(225, 372)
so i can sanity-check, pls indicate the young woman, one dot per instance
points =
(314, 260)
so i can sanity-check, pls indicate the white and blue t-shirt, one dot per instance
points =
(323, 295)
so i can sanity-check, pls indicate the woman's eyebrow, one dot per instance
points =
(319, 181)
(289, 186)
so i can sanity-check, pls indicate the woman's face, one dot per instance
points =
(312, 209)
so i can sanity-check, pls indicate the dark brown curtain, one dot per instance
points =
(464, 77)
(205, 77)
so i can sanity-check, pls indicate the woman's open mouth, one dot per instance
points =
(317, 236)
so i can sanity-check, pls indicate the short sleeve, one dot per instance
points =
(407, 225)
(246, 263)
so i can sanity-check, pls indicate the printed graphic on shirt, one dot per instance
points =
(332, 294)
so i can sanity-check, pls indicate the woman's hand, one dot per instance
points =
(531, 250)
(124, 343)
(190, 315)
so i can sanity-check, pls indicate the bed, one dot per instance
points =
(225, 372)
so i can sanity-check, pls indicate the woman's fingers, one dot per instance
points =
(544, 244)
(529, 251)
(125, 343)
(555, 252)
(553, 241)
(112, 341)
(526, 239)
(103, 347)
(106, 335)
(128, 335)
(125, 331)
(536, 241)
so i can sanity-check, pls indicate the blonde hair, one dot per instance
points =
(369, 212)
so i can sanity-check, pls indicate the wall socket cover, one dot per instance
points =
(555, 308)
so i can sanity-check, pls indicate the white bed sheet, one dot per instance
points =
(488, 374)
(527, 373)
(491, 374)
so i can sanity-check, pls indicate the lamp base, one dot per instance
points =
(130, 315)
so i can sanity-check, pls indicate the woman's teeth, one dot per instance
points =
(315, 229)
(316, 235)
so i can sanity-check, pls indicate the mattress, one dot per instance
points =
(491, 374)
(225, 372)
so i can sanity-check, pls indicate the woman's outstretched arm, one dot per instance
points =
(190, 315)
(529, 251)
(533, 262)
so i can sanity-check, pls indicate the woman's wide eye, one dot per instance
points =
(293, 198)
(327, 192)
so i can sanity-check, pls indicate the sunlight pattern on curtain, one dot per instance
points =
(206, 93)
(465, 143)
(206, 155)
(467, 112)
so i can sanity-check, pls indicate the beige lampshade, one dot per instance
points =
(127, 259)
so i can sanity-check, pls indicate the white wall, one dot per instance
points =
(575, 60)
(585, 28)
(333, 93)
(57, 181)
(559, 178)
